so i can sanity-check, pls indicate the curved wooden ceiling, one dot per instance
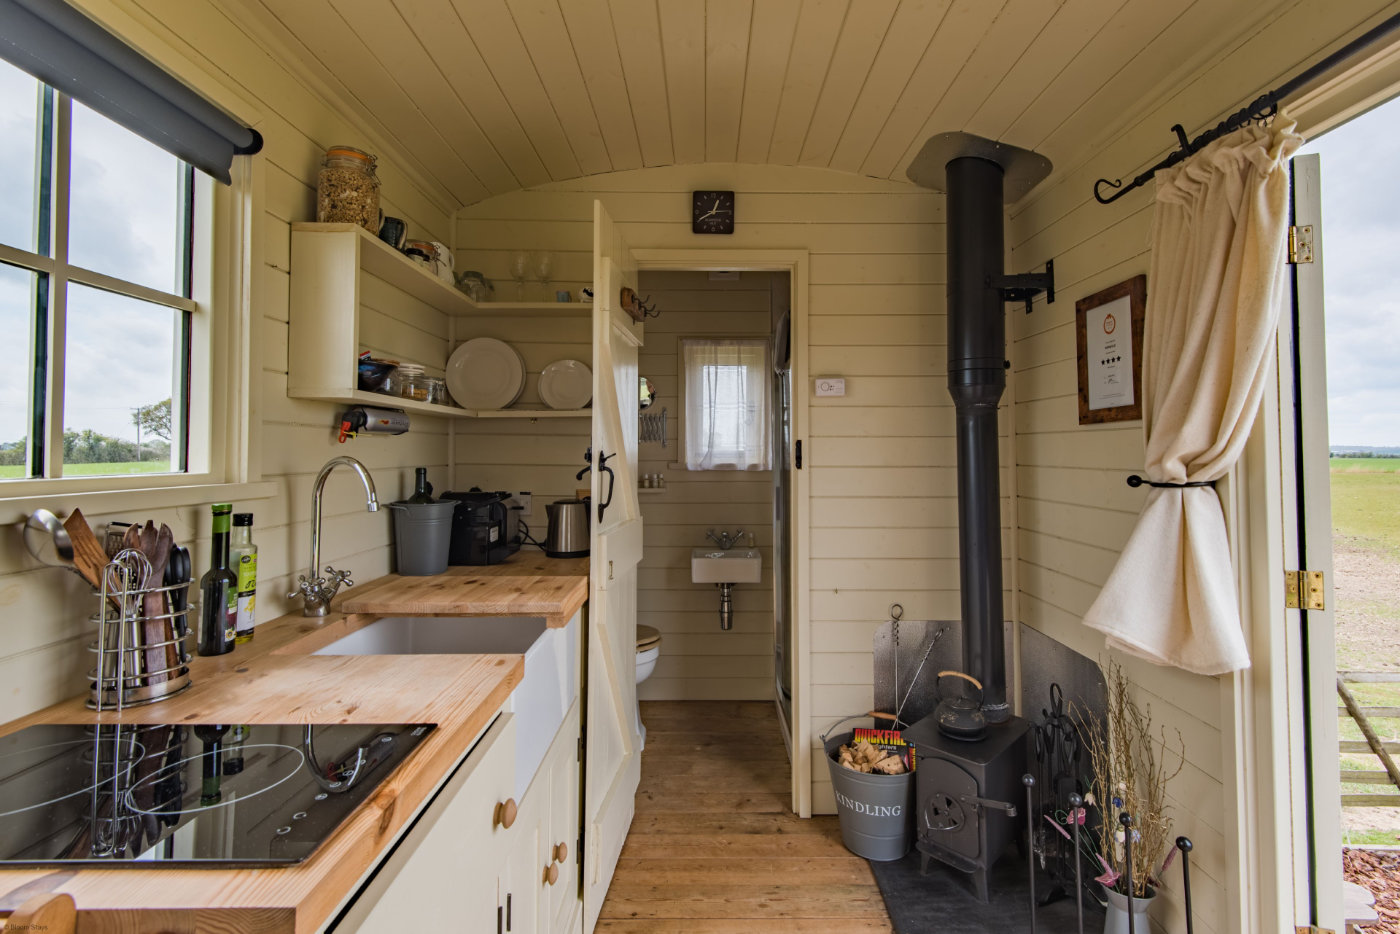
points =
(487, 96)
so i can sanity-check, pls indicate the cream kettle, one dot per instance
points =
(567, 535)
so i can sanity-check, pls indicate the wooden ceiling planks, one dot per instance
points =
(487, 96)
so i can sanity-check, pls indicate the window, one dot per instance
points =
(727, 404)
(99, 234)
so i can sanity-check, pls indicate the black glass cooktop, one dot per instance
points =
(188, 794)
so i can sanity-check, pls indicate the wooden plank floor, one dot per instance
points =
(714, 848)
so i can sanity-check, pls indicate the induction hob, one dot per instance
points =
(187, 794)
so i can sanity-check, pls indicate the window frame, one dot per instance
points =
(221, 394)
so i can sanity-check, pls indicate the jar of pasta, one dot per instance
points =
(347, 190)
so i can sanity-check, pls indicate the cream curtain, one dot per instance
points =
(1215, 285)
(726, 404)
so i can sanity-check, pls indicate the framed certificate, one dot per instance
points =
(1108, 333)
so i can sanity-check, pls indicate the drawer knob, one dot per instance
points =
(551, 875)
(505, 813)
(561, 852)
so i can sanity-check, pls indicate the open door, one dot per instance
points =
(612, 762)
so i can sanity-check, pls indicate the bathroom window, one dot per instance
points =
(727, 393)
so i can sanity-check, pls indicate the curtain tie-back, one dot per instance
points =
(1135, 481)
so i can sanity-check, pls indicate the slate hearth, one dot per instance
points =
(942, 901)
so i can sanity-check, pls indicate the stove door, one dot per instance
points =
(944, 820)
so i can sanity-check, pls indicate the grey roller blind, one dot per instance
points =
(62, 47)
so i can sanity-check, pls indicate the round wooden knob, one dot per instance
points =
(561, 852)
(551, 875)
(505, 813)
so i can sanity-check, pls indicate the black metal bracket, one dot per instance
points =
(1026, 286)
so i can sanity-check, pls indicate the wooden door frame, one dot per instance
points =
(796, 264)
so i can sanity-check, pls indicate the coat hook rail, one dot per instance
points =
(1261, 108)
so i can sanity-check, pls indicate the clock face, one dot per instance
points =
(712, 212)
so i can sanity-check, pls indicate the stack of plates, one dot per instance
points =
(485, 373)
(566, 384)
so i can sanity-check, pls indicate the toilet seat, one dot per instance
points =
(647, 637)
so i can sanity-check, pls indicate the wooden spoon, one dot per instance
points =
(156, 547)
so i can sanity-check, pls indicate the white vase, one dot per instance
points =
(1116, 918)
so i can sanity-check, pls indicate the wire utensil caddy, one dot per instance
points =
(134, 647)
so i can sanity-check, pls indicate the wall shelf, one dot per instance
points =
(380, 400)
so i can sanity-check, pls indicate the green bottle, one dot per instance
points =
(218, 607)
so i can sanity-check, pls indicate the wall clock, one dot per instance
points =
(712, 212)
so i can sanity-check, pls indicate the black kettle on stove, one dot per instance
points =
(958, 715)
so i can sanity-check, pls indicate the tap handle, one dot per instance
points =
(339, 578)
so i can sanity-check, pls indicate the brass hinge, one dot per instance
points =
(1300, 244)
(1303, 590)
(1313, 929)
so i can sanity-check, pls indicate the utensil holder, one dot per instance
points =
(123, 677)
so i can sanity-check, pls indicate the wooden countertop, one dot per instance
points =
(526, 584)
(270, 681)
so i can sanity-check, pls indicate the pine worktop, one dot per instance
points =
(270, 680)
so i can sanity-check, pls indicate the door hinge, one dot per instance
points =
(578, 756)
(1300, 244)
(1303, 590)
(1313, 929)
(797, 455)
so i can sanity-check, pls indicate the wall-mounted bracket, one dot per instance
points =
(1027, 285)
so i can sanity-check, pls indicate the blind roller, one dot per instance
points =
(60, 46)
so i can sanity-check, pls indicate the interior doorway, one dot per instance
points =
(784, 527)
(1346, 457)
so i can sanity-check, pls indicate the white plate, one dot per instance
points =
(485, 373)
(566, 384)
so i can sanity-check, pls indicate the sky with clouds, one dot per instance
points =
(1361, 275)
(124, 204)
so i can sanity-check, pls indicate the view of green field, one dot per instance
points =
(1366, 555)
(15, 471)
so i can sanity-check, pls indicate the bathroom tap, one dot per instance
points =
(317, 592)
(725, 540)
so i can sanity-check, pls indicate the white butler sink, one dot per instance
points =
(539, 702)
(735, 566)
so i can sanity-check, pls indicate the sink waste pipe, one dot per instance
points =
(726, 606)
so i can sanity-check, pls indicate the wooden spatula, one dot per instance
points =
(155, 545)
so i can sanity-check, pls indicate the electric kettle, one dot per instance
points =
(567, 536)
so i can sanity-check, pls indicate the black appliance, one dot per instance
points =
(965, 794)
(485, 528)
(182, 795)
(960, 782)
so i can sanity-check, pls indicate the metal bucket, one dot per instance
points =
(875, 811)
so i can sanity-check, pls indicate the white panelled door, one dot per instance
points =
(612, 762)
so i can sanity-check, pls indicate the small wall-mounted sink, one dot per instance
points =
(735, 566)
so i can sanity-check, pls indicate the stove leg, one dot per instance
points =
(979, 886)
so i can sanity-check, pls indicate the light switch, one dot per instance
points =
(831, 386)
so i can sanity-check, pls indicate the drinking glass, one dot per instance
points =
(519, 266)
(544, 263)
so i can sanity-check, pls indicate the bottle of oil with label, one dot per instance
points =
(243, 558)
(218, 592)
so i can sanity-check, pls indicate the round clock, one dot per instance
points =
(712, 212)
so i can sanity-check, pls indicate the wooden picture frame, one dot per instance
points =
(1103, 370)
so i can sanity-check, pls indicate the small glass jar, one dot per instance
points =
(437, 390)
(409, 382)
(347, 190)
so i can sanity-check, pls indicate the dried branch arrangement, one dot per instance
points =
(1131, 768)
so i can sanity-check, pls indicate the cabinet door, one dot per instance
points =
(442, 875)
(518, 898)
(562, 897)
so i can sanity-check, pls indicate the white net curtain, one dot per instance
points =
(727, 385)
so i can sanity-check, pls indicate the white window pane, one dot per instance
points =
(19, 136)
(727, 402)
(120, 362)
(16, 313)
(125, 204)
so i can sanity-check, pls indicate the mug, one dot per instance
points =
(444, 262)
(393, 231)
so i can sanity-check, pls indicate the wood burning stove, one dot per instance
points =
(965, 790)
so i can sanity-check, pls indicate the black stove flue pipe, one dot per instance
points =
(976, 381)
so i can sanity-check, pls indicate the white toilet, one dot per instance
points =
(648, 651)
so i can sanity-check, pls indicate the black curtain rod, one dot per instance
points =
(1262, 108)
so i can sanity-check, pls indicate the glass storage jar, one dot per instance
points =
(437, 390)
(347, 190)
(411, 383)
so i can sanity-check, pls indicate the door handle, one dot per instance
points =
(604, 468)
